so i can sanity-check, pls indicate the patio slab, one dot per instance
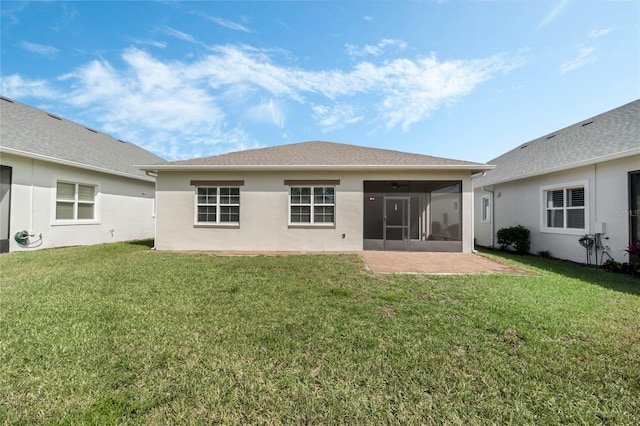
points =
(402, 262)
(437, 263)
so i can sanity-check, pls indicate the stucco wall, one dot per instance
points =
(125, 206)
(519, 203)
(264, 212)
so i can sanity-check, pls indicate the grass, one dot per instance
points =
(119, 334)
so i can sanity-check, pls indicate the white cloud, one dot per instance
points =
(15, 86)
(228, 24)
(586, 55)
(374, 50)
(182, 109)
(178, 34)
(332, 117)
(40, 49)
(154, 43)
(599, 33)
(553, 14)
(267, 112)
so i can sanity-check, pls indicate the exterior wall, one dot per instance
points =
(519, 203)
(264, 218)
(124, 206)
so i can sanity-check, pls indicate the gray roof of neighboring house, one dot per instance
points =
(613, 134)
(34, 133)
(317, 154)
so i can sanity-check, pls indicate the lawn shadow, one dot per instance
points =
(144, 243)
(591, 274)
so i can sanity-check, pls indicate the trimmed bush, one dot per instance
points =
(516, 237)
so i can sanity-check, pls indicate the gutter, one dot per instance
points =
(300, 167)
(48, 159)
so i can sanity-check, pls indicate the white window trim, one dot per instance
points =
(312, 224)
(217, 223)
(54, 201)
(484, 219)
(543, 208)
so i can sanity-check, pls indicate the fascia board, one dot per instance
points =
(569, 166)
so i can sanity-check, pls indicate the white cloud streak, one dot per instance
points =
(374, 50)
(267, 112)
(599, 33)
(553, 14)
(178, 34)
(40, 49)
(184, 109)
(586, 55)
(228, 24)
(333, 117)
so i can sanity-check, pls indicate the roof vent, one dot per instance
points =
(54, 116)
(91, 130)
(6, 99)
(587, 123)
(552, 136)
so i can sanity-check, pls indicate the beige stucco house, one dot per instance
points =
(577, 181)
(63, 184)
(315, 196)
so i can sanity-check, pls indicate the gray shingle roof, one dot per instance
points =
(613, 134)
(33, 132)
(321, 154)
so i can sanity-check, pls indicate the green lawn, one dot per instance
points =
(120, 334)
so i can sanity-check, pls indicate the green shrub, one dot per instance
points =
(516, 237)
(632, 269)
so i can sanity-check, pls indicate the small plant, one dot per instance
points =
(545, 254)
(516, 236)
(634, 253)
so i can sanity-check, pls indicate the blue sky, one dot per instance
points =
(459, 79)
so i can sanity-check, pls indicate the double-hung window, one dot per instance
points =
(75, 202)
(565, 208)
(313, 204)
(217, 205)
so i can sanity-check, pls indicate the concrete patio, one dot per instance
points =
(436, 263)
(389, 262)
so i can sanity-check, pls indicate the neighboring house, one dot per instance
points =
(315, 196)
(583, 179)
(64, 184)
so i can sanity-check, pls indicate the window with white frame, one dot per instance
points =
(217, 205)
(486, 209)
(565, 208)
(75, 202)
(312, 205)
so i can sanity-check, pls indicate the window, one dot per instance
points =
(217, 205)
(312, 205)
(486, 209)
(564, 209)
(75, 202)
